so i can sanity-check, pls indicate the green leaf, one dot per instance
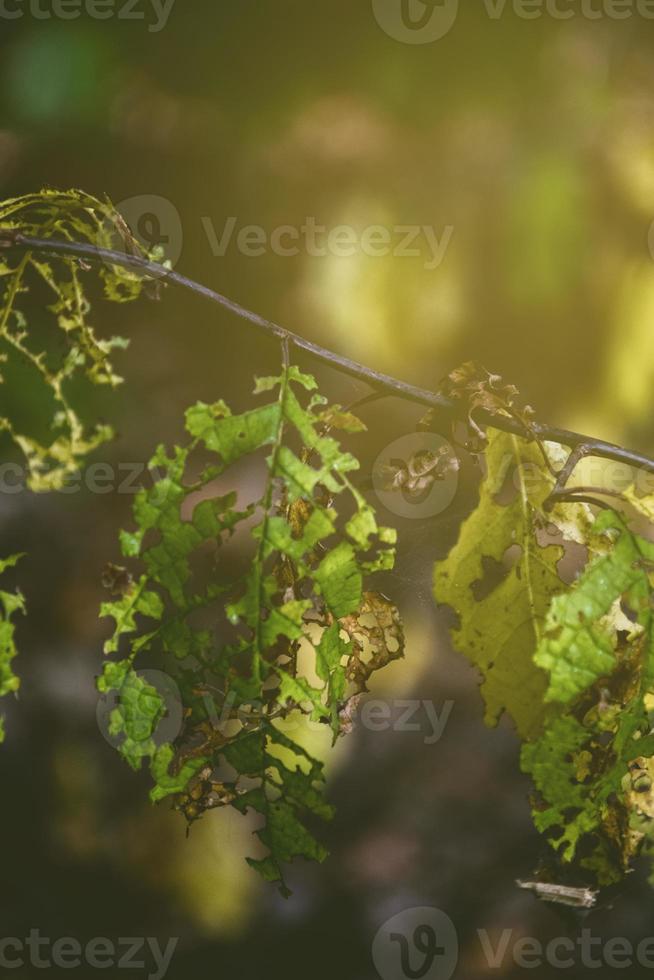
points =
(139, 710)
(340, 580)
(10, 603)
(578, 643)
(550, 763)
(168, 782)
(136, 599)
(501, 623)
(287, 791)
(233, 436)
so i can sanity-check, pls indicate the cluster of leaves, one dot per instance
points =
(294, 633)
(55, 358)
(597, 650)
(571, 663)
(58, 357)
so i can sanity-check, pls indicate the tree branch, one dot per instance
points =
(381, 383)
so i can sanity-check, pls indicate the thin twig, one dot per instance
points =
(564, 474)
(382, 383)
(567, 493)
(583, 495)
(571, 497)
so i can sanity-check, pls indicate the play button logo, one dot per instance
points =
(416, 21)
(417, 944)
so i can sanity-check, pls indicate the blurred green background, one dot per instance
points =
(532, 141)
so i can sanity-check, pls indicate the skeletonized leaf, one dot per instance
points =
(241, 639)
